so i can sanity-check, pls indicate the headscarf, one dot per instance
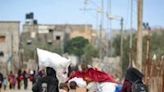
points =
(133, 74)
(50, 72)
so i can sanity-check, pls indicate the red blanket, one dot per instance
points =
(94, 75)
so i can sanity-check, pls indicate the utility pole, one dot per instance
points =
(131, 25)
(108, 50)
(111, 32)
(131, 33)
(121, 42)
(101, 30)
(100, 26)
(139, 35)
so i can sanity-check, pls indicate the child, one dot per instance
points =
(5, 83)
(63, 87)
(72, 86)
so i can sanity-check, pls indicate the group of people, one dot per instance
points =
(47, 82)
(15, 80)
(50, 83)
(84, 79)
(87, 79)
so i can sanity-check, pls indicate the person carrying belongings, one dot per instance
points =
(133, 81)
(48, 83)
(63, 87)
(97, 81)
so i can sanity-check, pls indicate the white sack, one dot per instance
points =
(49, 59)
(107, 87)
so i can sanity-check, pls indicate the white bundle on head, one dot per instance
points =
(50, 59)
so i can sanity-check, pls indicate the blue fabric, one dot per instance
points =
(118, 88)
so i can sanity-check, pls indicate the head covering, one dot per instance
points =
(19, 72)
(50, 71)
(133, 74)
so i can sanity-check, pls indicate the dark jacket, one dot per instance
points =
(1, 77)
(50, 80)
(132, 75)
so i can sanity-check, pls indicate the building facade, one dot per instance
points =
(9, 45)
(51, 37)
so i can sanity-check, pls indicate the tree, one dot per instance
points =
(89, 52)
(116, 45)
(157, 44)
(76, 45)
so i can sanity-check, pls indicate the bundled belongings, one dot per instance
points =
(133, 81)
(95, 75)
(54, 60)
(98, 76)
(97, 81)
(118, 88)
(50, 59)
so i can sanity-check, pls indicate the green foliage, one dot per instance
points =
(116, 45)
(89, 52)
(76, 45)
(156, 46)
(81, 47)
(126, 49)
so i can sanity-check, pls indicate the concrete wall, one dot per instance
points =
(10, 45)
